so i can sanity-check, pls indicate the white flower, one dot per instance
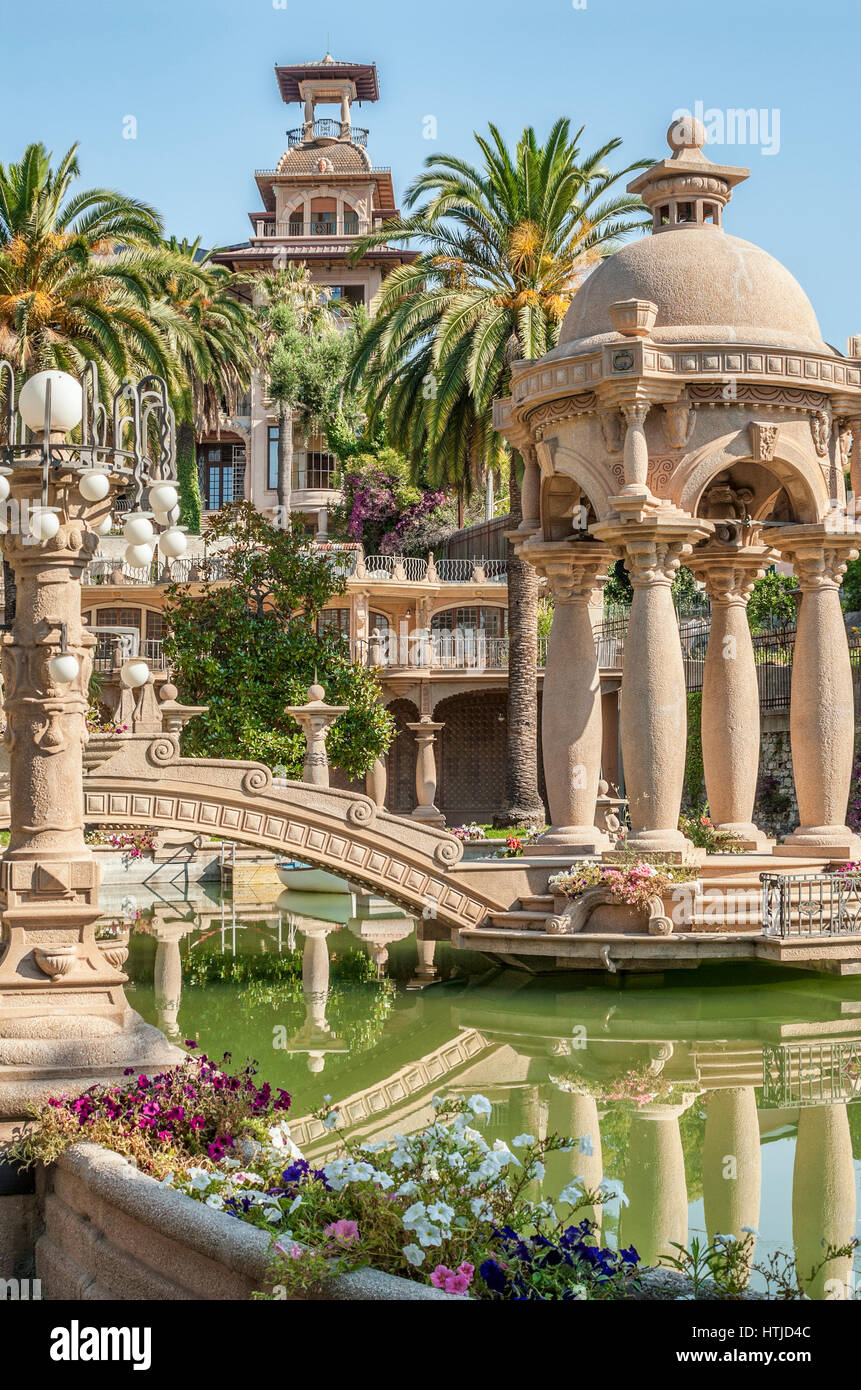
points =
(383, 1180)
(536, 1172)
(441, 1213)
(297, 1202)
(408, 1189)
(573, 1193)
(522, 1141)
(215, 1200)
(253, 1178)
(612, 1190)
(481, 1209)
(331, 1121)
(414, 1254)
(429, 1235)
(456, 1161)
(273, 1214)
(504, 1154)
(168, 1181)
(200, 1179)
(414, 1214)
(479, 1105)
(326, 1100)
(750, 1230)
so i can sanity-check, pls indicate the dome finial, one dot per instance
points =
(686, 190)
(686, 133)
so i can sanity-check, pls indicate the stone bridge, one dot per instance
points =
(143, 781)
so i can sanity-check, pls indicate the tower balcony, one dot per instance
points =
(327, 129)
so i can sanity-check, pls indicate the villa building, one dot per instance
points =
(323, 194)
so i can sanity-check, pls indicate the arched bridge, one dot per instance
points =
(146, 782)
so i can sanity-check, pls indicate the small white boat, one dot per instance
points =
(307, 880)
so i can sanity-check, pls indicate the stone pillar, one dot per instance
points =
(823, 1200)
(571, 730)
(376, 780)
(653, 714)
(315, 719)
(425, 732)
(530, 492)
(822, 709)
(730, 710)
(732, 1165)
(167, 975)
(636, 449)
(655, 1184)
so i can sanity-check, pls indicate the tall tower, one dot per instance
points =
(322, 195)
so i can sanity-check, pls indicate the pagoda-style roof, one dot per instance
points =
(363, 75)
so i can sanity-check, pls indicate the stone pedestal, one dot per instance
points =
(571, 726)
(822, 709)
(730, 708)
(654, 707)
(425, 732)
(315, 719)
(65, 1023)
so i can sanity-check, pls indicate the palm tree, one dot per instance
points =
(505, 246)
(291, 320)
(212, 333)
(72, 286)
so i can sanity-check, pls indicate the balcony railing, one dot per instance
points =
(101, 570)
(463, 650)
(112, 651)
(327, 129)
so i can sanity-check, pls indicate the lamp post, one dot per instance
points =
(62, 1004)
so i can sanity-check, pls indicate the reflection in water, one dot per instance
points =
(722, 1108)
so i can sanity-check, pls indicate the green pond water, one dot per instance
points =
(720, 1100)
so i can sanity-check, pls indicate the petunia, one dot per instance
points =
(414, 1255)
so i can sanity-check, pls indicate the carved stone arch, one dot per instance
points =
(793, 469)
(597, 480)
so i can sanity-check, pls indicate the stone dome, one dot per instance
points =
(709, 288)
(342, 155)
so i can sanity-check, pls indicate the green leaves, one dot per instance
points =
(250, 647)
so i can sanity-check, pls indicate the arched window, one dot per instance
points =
(474, 618)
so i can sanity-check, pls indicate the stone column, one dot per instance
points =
(376, 781)
(732, 1165)
(823, 1200)
(315, 719)
(653, 714)
(636, 449)
(822, 709)
(571, 730)
(730, 710)
(655, 1185)
(167, 975)
(530, 491)
(426, 731)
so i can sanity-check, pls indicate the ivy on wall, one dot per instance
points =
(694, 789)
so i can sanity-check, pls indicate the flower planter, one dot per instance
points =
(595, 911)
(115, 949)
(55, 961)
(99, 748)
(112, 1233)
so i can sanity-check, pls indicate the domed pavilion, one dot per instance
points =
(691, 414)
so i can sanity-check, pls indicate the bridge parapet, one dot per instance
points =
(147, 782)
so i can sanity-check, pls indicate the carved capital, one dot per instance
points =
(820, 428)
(730, 571)
(763, 441)
(818, 557)
(679, 421)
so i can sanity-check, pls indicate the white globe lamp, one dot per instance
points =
(163, 497)
(134, 673)
(4, 483)
(67, 401)
(172, 542)
(64, 668)
(139, 557)
(138, 530)
(103, 527)
(94, 485)
(44, 523)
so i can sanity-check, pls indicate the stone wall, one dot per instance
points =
(110, 1232)
(775, 809)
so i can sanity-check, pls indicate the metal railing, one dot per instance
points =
(327, 129)
(803, 905)
(461, 650)
(809, 1073)
(113, 649)
(182, 571)
(462, 571)
(397, 567)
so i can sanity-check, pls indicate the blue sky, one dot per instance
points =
(198, 77)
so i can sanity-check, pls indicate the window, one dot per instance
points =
(686, 212)
(491, 621)
(221, 468)
(272, 474)
(118, 617)
(345, 294)
(709, 212)
(156, 627)
(318, 471)
(337, 619)
(378, 621)
(664, 215)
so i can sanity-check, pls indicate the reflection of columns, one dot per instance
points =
(655, 1185)
(575, 1117)
(571, 701)
(730, 709)
(425, 948)
(823, 1198)
(732, 1167)
(822, 723)
(167, 973)
(425, 732)
(654, 704)
(315, 719)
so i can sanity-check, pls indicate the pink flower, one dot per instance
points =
(453, 1282)
(294, 1251)
(342, 1232)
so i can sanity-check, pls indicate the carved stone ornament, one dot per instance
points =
(679, 421)
(820, 428)
(763, 441)
(612, 430)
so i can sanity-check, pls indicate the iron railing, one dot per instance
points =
(803, 905)
(465, 649)
(462, 571)
(809, 1073)
(328, 129)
